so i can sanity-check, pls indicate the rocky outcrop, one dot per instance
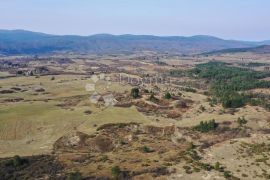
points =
(73, 140)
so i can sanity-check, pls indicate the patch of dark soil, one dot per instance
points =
(72, 101)
(181, 104)
(157, 171)
(159, 131)
(13, 100)
(6, 91)
(222, 134)
(16, 88)
(163, 102)
(231, 111)
(64, 61)
(123, 104)
(97, 178)
(151, 109)
(264, 131)
(101, 143)
(87, 112)
(148, 108)
(40, 90)
(116, 126)
(173, 115)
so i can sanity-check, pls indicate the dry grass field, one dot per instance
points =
(152, 136)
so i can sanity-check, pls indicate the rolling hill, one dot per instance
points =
(14, 42)
(263, 49)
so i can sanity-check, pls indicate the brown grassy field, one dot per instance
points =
(38, 112)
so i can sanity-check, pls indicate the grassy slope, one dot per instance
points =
(32, 127)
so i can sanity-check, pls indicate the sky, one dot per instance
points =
(228, 19)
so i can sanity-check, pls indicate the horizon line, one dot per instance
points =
(154, 35)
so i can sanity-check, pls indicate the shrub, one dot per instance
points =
(206, 126)
(135, 92)
(153, 98)
(189, 89)
(188, 169)
(104, 158)
(116, 171)
(206, 166)
(88, 112)
(146, 149)
(217, 166)
(194, 155)
(190, 146)
(202, 108)
(18, 161)
(241, 121)
(75, 176)
(227, 174)
(233, 100)
(168, 95)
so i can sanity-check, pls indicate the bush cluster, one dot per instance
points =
(206, 126)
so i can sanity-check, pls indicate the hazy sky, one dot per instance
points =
(230, 19)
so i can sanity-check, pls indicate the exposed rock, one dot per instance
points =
(71, 140)
(129, 137)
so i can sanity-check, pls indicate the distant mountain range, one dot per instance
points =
(263, 49)
(15, 42)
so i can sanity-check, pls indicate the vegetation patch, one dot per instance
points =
(34, 167)
(228, 83)
(206, 126)
(135, 92)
